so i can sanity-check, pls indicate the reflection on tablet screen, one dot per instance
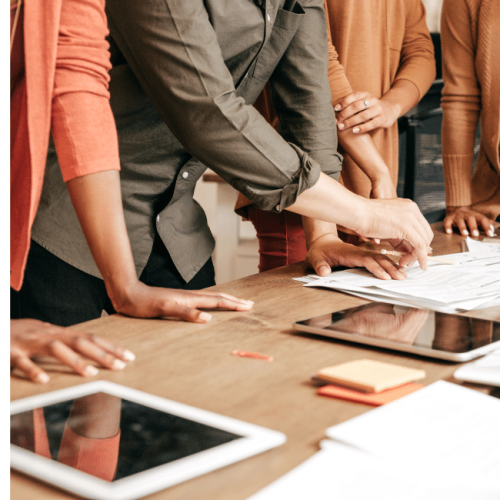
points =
(110, 437)
(411, 326)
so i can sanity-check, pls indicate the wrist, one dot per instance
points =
(121, 290)
(394, 109)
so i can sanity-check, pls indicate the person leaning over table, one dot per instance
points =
(184, 75)
(470, 40)
(381, 63)
(59, 80)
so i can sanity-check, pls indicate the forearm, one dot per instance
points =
(402, 96)
(362, 150)
(330, 202)
(98, 205)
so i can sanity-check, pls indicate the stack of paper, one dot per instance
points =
(473, 283)
(439, 443)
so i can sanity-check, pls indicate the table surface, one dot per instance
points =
(192, 364)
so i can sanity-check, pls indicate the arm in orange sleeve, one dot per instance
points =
(359, 147)
(339, 85)
(461, 102)
(82, 125)
(417, 63)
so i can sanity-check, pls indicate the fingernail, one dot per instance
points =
(448, 231)
(128, 355)
(341, 126)
(387, 275)
(205, 316)
(337, 107)
(475, 233)
(42, 378)
(465, 232)
(118, 364)
(91, 371)
(355, 130)
(491, 232)
(250, 302)
(322, 268)
(377, 241)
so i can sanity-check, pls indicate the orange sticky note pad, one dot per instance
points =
(374, 398)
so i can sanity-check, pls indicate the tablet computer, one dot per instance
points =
(400, 328)
(101, 440)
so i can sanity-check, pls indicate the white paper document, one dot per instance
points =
(485, 370)
(339, 472)
(439, 443)
(472, 283)
(442, 423)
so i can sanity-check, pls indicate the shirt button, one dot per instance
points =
(158, 218)
(185, 175)
(278, 208)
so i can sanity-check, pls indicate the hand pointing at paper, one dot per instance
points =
(396, 219)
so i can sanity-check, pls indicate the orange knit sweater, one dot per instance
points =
(378, 43)
(470, 38)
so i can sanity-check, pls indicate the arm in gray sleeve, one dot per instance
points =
(173, 50)
(301, 91)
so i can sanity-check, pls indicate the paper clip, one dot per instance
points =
(254, 355)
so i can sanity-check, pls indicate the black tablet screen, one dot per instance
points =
(110, 437)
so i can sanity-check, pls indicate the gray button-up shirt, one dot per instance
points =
(185, 73)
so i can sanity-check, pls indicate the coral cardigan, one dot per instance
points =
(470, 38)
(64, 89)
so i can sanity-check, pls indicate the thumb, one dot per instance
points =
(321, 267)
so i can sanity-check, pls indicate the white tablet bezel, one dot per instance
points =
(255, 440)
(457, 357)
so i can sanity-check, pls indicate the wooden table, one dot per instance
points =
(192, 364)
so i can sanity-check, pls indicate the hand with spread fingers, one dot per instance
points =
(30, 338)
(329, 251)
(467, 221)
(144, 301)
(362, 112)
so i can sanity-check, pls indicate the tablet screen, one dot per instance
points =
(111, 437)
(409, 326)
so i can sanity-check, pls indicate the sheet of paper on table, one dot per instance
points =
(474, 282)
(439, 443)
(341, 472)
(485, 370)
(441, 424)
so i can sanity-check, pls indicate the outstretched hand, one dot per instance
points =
(464, 218)
(30, 338)
(142, 301)
(329, 251)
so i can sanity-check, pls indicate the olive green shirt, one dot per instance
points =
(184, 76)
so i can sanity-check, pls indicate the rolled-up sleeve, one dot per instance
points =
(173, 50)
(82, 125)
(301, 91)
